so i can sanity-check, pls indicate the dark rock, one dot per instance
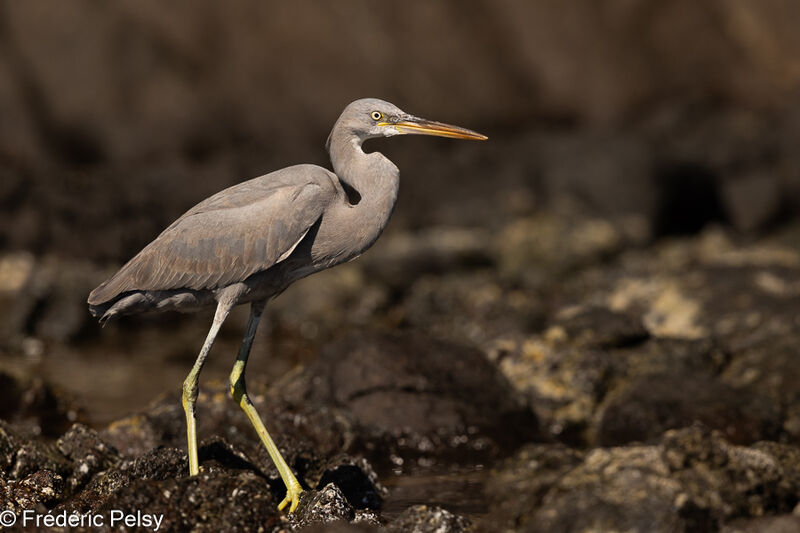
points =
(89, 476)
(730, 349)
(520, 483)
(21, 456)
(694, 480)
(220, 496)
(88, 453)
(769, 366)
(744, 481)
(424, 519)
(8, 446)
(340, 527)
(567, 379)
(160, 464)
(307, 435)
(564, 384)
(601, 327)
(412, 396)
(685, 289)
(212, 501)
(356, 479)
(40, 490)
(327, 504)
(646, 407)
(739, 157)
(315, 442)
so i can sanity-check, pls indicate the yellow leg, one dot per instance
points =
(239, 392)
(190, 388)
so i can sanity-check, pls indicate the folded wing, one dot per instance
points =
(236, 233)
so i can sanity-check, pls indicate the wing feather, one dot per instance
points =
(224, 239)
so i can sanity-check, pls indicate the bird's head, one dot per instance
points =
(370, 117)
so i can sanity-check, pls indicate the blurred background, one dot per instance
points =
(613, 126)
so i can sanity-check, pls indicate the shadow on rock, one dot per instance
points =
(415, 399)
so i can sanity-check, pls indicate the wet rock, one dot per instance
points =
(424, 519)
(414, 397)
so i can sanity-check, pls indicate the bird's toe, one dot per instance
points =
(292, 498)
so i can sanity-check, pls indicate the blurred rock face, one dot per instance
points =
(134, 78)
(118, 118)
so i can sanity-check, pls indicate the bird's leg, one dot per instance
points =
(189, 396)
(239, 392)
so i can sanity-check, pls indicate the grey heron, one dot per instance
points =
(248, 243)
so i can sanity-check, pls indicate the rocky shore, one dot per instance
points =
(609, 385)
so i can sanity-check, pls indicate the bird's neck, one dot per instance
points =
(375, 180)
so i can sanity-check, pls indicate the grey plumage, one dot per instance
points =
(228, 237)
(251, 241)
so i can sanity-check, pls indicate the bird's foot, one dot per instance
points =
(293, 492)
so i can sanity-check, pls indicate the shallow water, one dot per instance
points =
(459, 492)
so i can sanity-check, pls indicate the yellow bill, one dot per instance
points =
(420, 126)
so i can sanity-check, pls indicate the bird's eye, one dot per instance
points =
(376, 115)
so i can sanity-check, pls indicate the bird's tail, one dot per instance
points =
(124, 304)
(103, 312)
